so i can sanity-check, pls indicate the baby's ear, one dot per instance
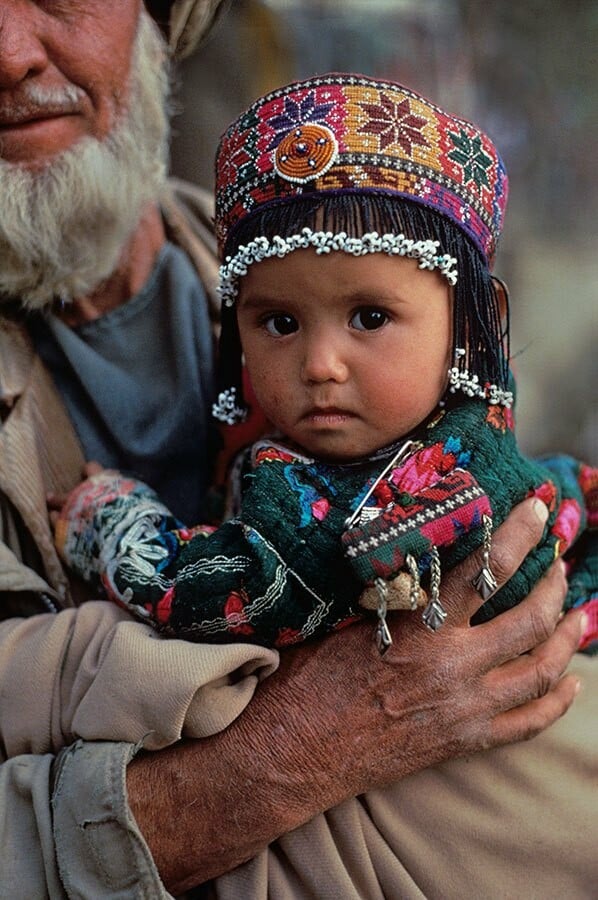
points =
(502, 292)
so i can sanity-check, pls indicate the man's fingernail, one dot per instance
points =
(584, 621)
(577, 688)
(541, 510)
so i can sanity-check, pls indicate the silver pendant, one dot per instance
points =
(434, 615)
(382, 637)
(485, 583)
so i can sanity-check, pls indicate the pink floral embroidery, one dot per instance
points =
(445, 530)
(566, 524)
(546, 492)
(590, 635)
(288, 636)
(234, 613)
(501, 417)
(588, 481)
(423, 469)
(320, 509)
(164, 606)
(267, 454)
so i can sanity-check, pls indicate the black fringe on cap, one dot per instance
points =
(477, 325)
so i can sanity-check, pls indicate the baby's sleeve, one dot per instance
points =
(258, 578)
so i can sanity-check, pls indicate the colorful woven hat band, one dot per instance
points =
(343, 134)
(346, 163)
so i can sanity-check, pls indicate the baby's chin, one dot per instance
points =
(343, 448)
(341, 455)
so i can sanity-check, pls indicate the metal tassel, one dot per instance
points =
(383, 636)
(434, 615)
(414, 572)
(485, 583)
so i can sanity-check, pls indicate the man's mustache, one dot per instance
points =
(32, 102)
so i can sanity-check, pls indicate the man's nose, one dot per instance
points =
(22, 51)
(323, 360)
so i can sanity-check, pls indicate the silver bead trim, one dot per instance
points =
(461, 380)
(234, 267)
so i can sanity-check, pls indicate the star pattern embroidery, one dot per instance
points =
(469, 154)
(239, 160)
(298, 112)
(234, 163)
(394, 123)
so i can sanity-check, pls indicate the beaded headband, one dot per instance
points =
(324, 242)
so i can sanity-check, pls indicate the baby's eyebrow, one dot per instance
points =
(373, 297)
(259, 300)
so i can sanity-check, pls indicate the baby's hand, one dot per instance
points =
(88, 522)
(56, 502)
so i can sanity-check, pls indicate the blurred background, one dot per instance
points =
(527, 73)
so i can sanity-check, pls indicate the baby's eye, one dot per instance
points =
(280, 325)
(368, 319)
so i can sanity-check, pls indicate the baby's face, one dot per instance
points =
(346, 354)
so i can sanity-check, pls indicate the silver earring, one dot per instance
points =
(225, 408)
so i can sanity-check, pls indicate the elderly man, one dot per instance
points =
(106, 352)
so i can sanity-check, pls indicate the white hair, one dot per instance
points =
(63, 227)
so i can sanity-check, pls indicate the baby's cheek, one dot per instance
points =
(408, 400)
(274, 402)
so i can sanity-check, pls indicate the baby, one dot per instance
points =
(357, 225)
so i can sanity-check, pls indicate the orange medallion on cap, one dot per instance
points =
(305, 153)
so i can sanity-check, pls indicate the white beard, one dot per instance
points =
(63, 228)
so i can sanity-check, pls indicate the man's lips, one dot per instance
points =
(22, 121)
(38, 104)
(39, 121)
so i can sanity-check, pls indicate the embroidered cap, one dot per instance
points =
(344, 134)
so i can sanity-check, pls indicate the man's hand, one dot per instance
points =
(337, 719)
(436, 696)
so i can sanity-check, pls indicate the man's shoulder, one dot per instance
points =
(188, 217)
(194, 200)
(16, 359)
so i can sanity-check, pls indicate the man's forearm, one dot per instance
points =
(205, 807)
